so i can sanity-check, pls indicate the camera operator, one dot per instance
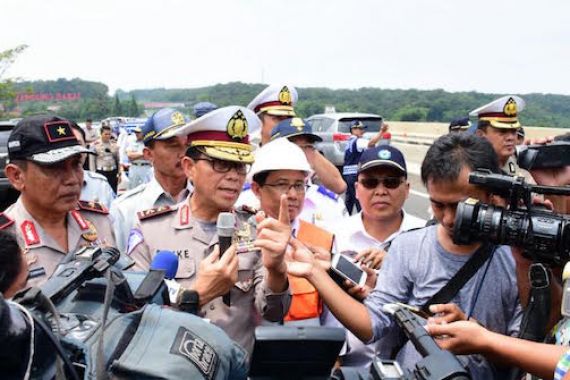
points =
(424, 261)
(466, 337)
(48, 218)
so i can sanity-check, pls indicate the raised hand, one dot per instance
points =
(273, 236)
(216, 275)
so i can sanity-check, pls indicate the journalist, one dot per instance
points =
(422, 262)
(13, 266)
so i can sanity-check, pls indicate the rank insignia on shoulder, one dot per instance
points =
(93, 206)
(5, 221)
(150, 213)
(328, 193)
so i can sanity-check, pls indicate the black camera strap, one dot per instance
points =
(464, 274)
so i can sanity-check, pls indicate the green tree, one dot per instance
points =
(133, 107)
(7, 92)
(117, 109)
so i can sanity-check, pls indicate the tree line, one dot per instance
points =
(545, 110)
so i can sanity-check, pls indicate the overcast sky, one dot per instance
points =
(485, 45)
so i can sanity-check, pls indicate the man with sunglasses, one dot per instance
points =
(381, 188)
(216, 161)
(168, 185)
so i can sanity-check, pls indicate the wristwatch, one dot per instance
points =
(189, 301)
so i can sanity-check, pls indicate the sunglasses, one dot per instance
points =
(388, 182)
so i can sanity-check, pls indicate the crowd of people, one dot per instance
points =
(294, 213)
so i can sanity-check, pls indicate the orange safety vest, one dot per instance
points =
(305, 300)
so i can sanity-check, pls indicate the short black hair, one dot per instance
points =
(105, 128)
(451, 152)
(10, 260)
(89, 121)
(194, 152)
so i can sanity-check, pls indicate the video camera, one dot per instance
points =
(548, 156)
(543, 235)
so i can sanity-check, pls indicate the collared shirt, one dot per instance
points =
(352, 236)
(107, 155)
(43, 253)
(175, 229)
(136, 147)
(96, 188)
(146, 196)
(91, 135)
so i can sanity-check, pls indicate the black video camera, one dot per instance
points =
(543, 235)
(549, 156)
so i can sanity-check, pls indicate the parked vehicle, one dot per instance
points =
(8, 194)
(334, 128)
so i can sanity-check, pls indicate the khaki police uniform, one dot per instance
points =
(87, 225)
(146, 196)
(174, 229)
(96, 188)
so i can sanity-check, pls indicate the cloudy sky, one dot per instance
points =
(486, 45)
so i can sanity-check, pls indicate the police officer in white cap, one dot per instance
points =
(217, 160)
(498, 123)
(273, 105)
(168, 184)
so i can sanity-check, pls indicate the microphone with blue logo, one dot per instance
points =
(167, 261)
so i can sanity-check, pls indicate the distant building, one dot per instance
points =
(329, 109)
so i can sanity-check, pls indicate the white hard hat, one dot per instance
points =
(280, 154)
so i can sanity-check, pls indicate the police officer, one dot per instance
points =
(91, 135)
(217, 161)
(168, 185)
(95, 187)
(273, 105)
(141, 170)
(107, 161)
(276, 104)
(46, 167)
(356, 145)
(321, 205)
(498, 123)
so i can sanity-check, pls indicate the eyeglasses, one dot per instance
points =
(223, 166)
(388, 182)
(284, 187)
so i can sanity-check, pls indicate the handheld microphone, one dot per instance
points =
(225, 227)
(167, 261)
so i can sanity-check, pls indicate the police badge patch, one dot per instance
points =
(197, 351)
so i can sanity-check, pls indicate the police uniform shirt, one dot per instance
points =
(107, 156)
(42, 252)
(352, 236)
(96, 188)
(91, 135)
(146, 196)
(136, 147)
(175, 229)
(512, 168)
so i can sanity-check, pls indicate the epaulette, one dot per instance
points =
(151, 213)
(92, 206)
(5, 221)
(328, 193)
(247, 209)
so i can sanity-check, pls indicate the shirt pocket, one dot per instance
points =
(186, 268)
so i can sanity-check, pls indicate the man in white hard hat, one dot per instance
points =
(281, 168)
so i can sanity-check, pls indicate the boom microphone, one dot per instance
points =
(226, 226)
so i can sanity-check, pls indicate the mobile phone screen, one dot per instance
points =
(349, 269)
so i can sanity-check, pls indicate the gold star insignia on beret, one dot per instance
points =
(61, 131)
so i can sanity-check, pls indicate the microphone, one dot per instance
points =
(225, 227)
(167, 261)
